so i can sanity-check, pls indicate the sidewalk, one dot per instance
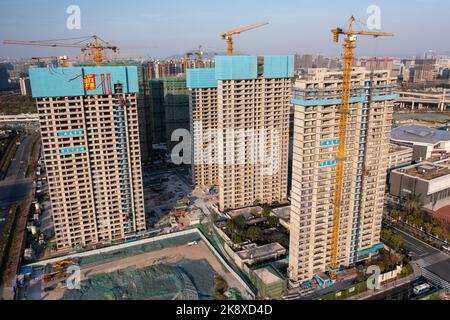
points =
(387, 286)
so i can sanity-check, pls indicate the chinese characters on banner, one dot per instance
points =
(89, 82)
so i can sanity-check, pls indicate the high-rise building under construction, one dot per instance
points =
(90, 136)
(240, 127)
(316, 99)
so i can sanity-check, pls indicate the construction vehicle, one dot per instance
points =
(92, 47)
(348, 55)
(56, 275)
(63, 264)
(228, 37)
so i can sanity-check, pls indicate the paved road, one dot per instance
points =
(427, 257)
(18, 167)
(403, 292)
(15, 187)
(418, 248)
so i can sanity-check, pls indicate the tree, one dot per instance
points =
(437, 231)
(254, 233)
(235, 224)
(396, 242)
(272, 221)
(386, 235)
(395, 214)
(236, 238)
(413, 204)
(240, 221)
(266, 212)
(231, 225)
(428, 227)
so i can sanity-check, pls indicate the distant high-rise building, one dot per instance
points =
(321, 61)
(307, 61)
(316, 99)
(297, 62)
(240, 127)
(4, 78)
(90, 137)
(379, 64)
(423, 70)
(169, 108)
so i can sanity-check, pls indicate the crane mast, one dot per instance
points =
(348, 56)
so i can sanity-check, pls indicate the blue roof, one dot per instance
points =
(67, 82)
(370, 250)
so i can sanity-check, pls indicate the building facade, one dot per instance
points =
(429, 181)
(25, 88)
(399, 156)
(316, 99)
(240, 127)
(90, 136)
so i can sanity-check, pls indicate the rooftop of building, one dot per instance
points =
(327, 74)
(419, 134)
(247, 213)
(268, 275)
(283, 212)
(398, 148)
(241, 68)
(426, 170)
(82, 81)
(253, 251)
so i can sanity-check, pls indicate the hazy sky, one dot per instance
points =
(175, 26)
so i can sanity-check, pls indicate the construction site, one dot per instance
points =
(178, 266)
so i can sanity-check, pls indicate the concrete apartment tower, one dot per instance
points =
(240, 128)
(316, 99)
(90, 137)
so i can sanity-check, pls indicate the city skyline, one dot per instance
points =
(181, 26)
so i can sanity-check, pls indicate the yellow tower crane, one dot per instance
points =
(229, 35)
(198, 53)
(348, 54)
(92, 47)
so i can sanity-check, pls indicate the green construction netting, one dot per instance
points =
(187, 280)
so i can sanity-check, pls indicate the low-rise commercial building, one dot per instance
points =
(399, 156)
(430, 181)
(426, 142)
(268, 281)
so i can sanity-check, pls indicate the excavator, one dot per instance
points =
(63, 264)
